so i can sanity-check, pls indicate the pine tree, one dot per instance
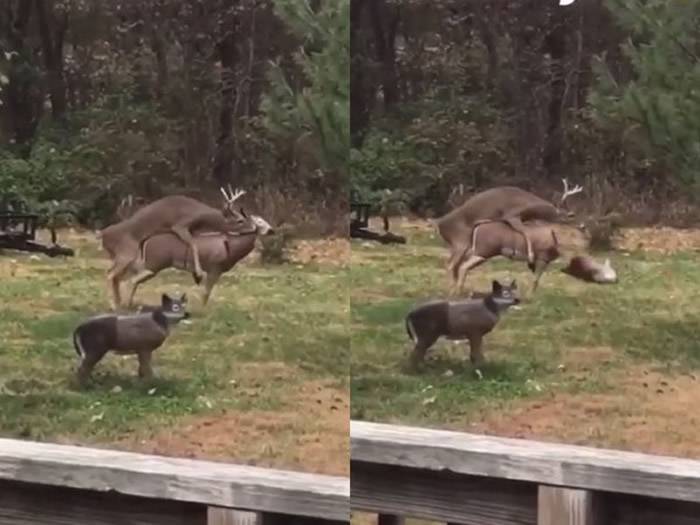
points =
(320, 107)
(663, 98)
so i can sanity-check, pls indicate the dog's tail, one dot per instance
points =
(77, 344)
(410, 329)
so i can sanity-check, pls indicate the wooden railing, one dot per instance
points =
(453, 477)
(60, 485)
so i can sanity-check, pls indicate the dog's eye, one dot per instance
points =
(176, 308)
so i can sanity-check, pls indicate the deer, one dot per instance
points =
(469, 319)
(139, 334)
(218, 254)
(510, 204)
(586, 268)
(498, 238)
(178, 214)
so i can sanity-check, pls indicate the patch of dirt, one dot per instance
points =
(648, 411)
(658, 239)
(310, 434)
(324, 251)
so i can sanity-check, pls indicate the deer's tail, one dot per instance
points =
(410, 330)
(78, 344)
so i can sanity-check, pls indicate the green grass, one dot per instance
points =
(267, 330)
(649, 317)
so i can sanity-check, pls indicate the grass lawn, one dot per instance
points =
(612, 366)
(260, 376)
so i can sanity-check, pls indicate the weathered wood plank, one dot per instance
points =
(203, 482)
(562, 506)
(26, 504)
(442, 496)
(516, 459)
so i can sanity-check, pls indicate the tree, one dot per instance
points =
(317, 104)
(659, 108)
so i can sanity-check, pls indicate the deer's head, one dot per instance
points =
(236, 216)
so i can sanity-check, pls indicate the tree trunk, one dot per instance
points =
(224, 156)
(359, 107)
(488, 37)
(385, 26)
(52, 31)
(162, 76)
(555, 45)
(23, 96)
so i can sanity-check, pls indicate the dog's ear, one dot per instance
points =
(514, 285)
(183, 298)
(165, 299)
(496, 286)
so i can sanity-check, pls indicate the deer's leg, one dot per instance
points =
(539, 268)
(518, 226)
(472, 262)
(476, 355)
(209, 281)
(459, 251)
(185, 236)
(136, 281)
(114, 278)
(90, 359)
(145, 368)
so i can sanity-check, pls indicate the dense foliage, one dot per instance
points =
(159, 96)
(450, 96)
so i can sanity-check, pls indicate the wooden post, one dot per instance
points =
(390, 519)
(563, 506)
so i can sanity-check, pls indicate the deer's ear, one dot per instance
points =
(244, 213)
(496, 286)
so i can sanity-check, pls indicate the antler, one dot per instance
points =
(232, 195)
(569, 192)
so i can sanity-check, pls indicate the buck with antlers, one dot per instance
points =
(510, 205)
(177, 214)
(218, 254)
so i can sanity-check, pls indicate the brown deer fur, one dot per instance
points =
(499, 238)
(218, 254)
(176, 214)
(586, 268)
(508, 204)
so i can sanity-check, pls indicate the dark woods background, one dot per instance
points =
(102, 98)
(479, 93)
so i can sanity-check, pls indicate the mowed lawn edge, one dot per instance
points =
(268, 330)
(570, 337)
